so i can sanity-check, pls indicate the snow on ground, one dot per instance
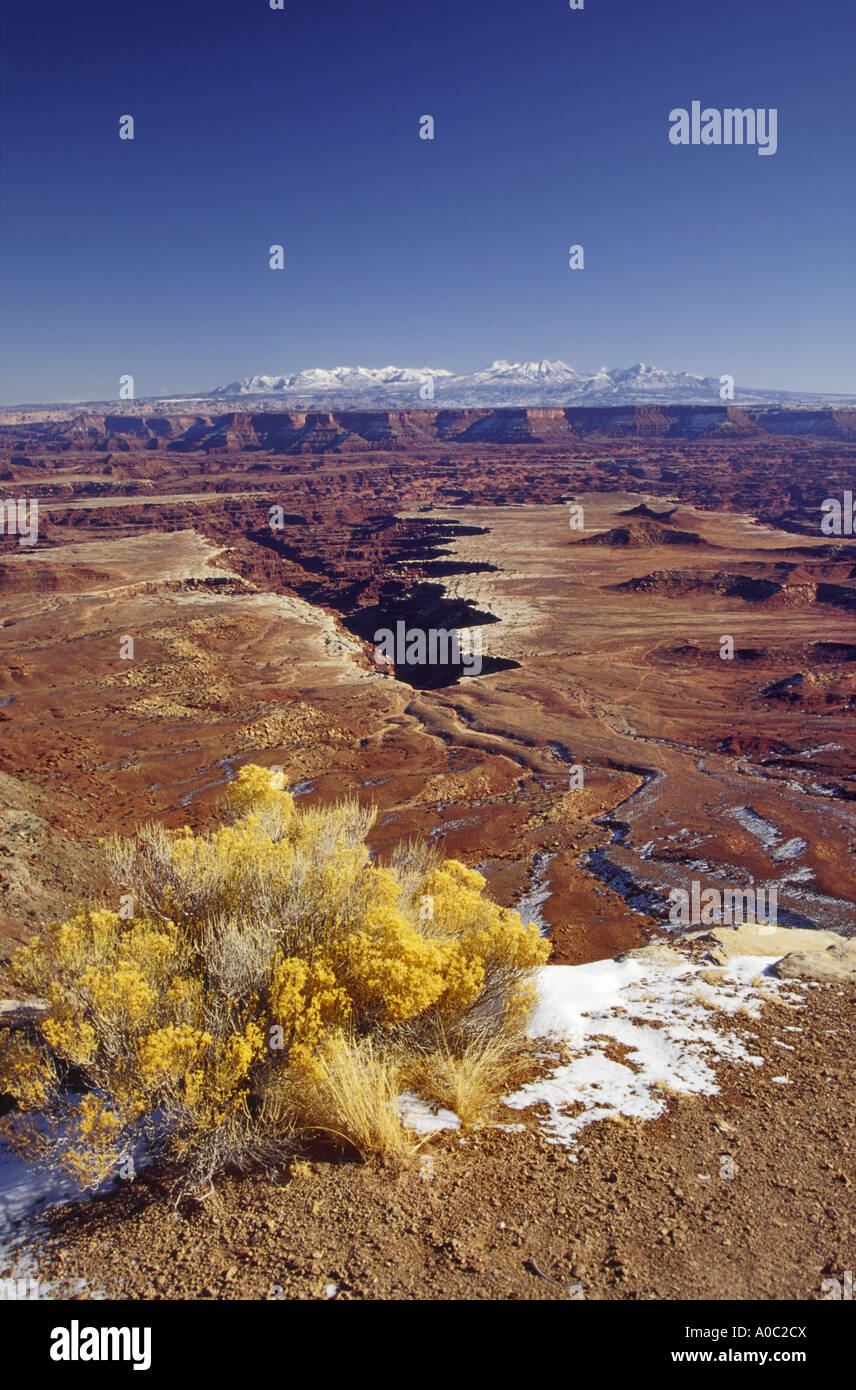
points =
(537, 895)
(624, 1033)
(26, 1190)
(417, 1115)
(791, 849)
(768, 834)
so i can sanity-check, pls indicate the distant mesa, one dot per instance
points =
(50, 578)
(270, 426)
(644, 534)
(781, 689)
(836, 652)
(651, 513)
(753, 588)
(677, 583)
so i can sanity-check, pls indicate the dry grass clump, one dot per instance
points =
(350, 1094)
(271, 982)
(471, 1081)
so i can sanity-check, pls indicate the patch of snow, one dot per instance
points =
(791, 849)
(659, 1016)
(744, 970)
(800, 875)
(417, 1115)
(763, 830)
(26, 1190)
(536, 895)
(464, 823)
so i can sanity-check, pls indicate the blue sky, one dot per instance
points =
(301, 127)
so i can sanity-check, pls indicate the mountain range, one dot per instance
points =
(528, 384)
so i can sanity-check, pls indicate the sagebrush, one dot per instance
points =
(268, 982)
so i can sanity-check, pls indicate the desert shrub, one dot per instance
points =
(272, 982)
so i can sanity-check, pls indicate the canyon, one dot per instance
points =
(600, 646)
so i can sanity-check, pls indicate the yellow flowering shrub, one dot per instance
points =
(93, 1146)
(256, 788)
(28, 1073)
(171, 1052)
(394, 973)
(306, 1002)
(264, 960)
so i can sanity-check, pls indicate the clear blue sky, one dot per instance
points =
(301, 127)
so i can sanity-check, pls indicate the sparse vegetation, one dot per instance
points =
(472, 1080)
(272, 983)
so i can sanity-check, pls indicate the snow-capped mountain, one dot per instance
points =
(529, 384)
(341, 381)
